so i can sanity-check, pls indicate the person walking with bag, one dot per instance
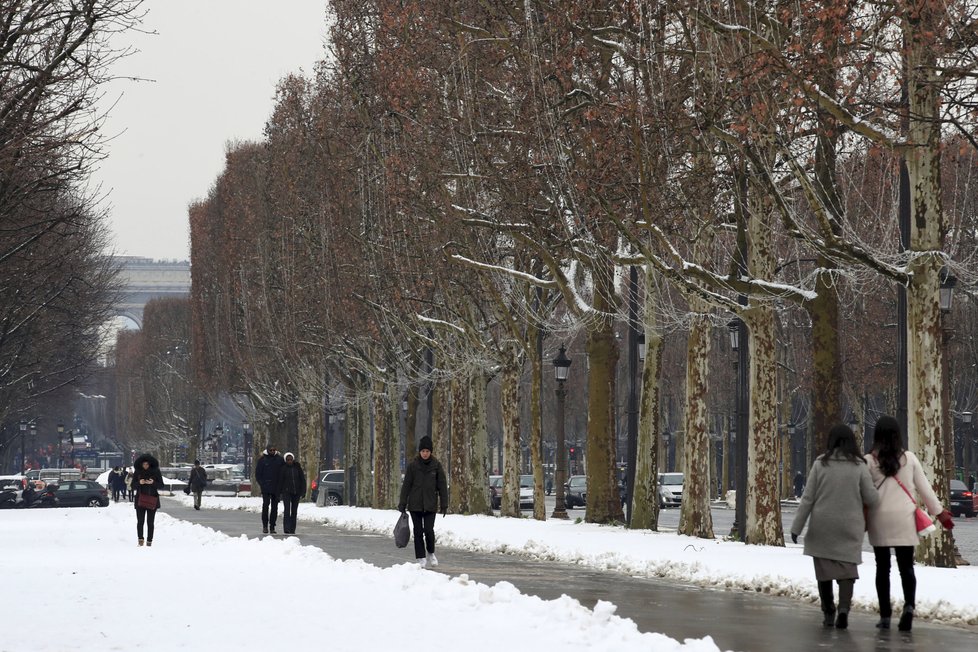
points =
(839, 486)
(291, 488)
(197, 482)
(147, 481)
(424, 490)
(899, 477)
(268, 473)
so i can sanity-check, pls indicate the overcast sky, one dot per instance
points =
(214, 66)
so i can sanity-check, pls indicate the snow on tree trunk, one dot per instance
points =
(603, 502)
(695, 518)
(645, 502)
(458, 498)
(310, 435)
(536, 431)
(510, 399)
(477, 453)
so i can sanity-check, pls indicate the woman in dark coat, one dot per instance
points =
(147, 480)
(423, 492)
(291, 488)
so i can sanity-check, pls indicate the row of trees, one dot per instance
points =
(460, 182)
(56, 281)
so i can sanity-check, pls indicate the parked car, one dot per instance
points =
(82, 493)
(12, 490)
(331, 482)
(496, 491)
(670, 489)
(575, 492)
(962, 501)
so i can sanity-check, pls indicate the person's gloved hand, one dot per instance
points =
(444, 512)
(945, 519)
(400, 508)
(794, 538)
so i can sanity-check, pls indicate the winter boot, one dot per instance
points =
(432, 560)
(141, 542)
(422, 562)
(845, 600)
(906, 619)
(149, 543)
(884, 623)
(264, 530)
(828, 603)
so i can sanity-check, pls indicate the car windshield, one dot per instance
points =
(578, 481)
(496, 481)
(671, 478)
(526, 481)
(958, 485)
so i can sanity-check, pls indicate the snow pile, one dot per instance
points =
(703, 562)
(80, 583)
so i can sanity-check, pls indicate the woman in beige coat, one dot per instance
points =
(891, 521)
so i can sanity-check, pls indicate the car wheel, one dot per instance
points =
(94, 502)
(332, 500)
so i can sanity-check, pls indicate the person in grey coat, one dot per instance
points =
(838, 491)
(424, 490)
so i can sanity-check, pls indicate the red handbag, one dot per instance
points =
(147, 501)
(925, 526)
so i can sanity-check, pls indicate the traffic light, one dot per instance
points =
(573, 454)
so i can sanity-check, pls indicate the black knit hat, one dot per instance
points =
(425, 444)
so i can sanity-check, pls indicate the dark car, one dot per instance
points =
(575, 492)
(962, 501)
(81, 493)
(330, 482)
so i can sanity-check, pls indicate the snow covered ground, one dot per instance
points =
(75, 580)
(714, 563)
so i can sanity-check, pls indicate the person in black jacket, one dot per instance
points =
(291, 489)
(113, 482)
(268, 473)
(147, 481)
(197, 482)
(423, 492)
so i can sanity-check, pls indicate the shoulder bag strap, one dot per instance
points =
(909, 495)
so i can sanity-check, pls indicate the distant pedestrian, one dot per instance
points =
(898, 475)
(839, 487)
(130, 483)
(799, 484)
(268, 472)
(148, 481)
(423, 492)
(113, 483)
(971, 483)
(291, 489)
(197, 482)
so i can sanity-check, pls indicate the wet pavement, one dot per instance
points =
(736, 620)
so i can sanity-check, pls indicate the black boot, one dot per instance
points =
(884, 623)
(906, 619)
(828, 603)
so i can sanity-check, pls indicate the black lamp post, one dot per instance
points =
(246, 427)
(738, 344)
(33, 437)
(23, 433)
(61, 430)
(561, 370)
(968, 450)
(218, 433)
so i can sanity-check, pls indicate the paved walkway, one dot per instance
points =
(736, 620)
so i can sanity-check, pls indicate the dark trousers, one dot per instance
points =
(904, 557)
(290, 504)
(424, 533)
(115, 495)
(149, 516)
(197, 493)
(269, 509)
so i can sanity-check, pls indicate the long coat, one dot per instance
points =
(198, 478)
(424, 486)
(268, 472)
(891, 522)
(152, 473)
(292, 480)
(833, 501)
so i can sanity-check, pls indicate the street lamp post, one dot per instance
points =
(246, 427)
(23, 433)
(61, 430)
(33, 438)
(738, 344)
(561, 370)
(968, 450)
(218, 433)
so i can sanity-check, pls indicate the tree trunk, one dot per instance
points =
(536, 431)
(411, 425)
(603, 503)
(458, 498)
(510, 399)
(645, 505)
(384, 456)
(364, 462)
(477, 476)
(826, 360)
(310, 435)
(695, 518)
(440, 425)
